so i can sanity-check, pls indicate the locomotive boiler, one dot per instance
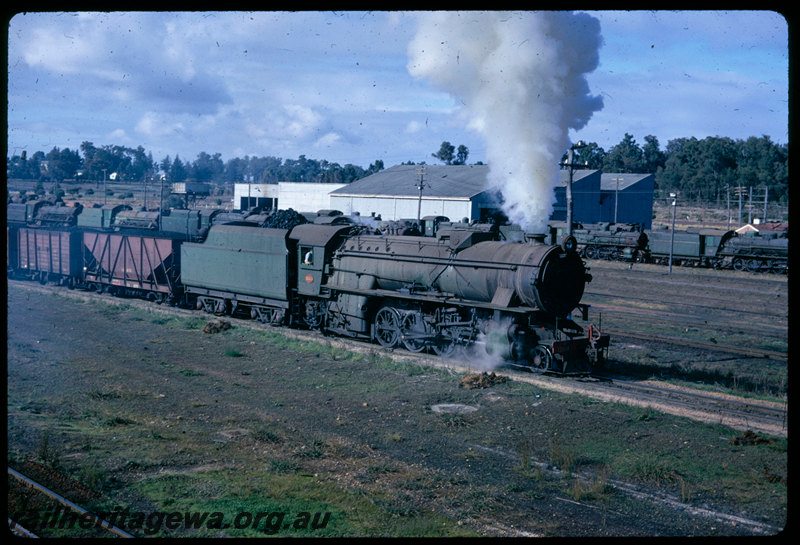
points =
(463, 287)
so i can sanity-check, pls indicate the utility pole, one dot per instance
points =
(739, 219)
(420, 186)
(571, 166)
(766, 190)
(728, 195)
(750, 207)
(161, 203)
(674, 198)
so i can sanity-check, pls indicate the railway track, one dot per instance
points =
(769, 417)
(734, 325)
(85, 519)
(706, 345)
(718, 306)
(699, 406)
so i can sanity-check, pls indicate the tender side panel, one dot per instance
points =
(240, 260)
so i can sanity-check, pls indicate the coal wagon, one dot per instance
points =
(42, 243)
(136, 252)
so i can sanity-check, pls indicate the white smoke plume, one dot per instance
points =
(521, 77)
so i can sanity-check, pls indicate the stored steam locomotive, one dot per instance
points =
(712, 248)
(720, 249)
(443, 287)
(610, 241)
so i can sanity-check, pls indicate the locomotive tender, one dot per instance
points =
(458, 286)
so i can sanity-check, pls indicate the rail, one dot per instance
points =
(683, 341)
(97, 520)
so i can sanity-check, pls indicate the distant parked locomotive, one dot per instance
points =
(610, 241)
(719, 249)
(765, 253)
(712, 248)
(698, 248)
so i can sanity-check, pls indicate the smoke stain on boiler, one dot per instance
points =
(521, 78)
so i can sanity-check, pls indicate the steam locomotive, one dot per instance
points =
(453, 289)
(712, 248)
(610, 241)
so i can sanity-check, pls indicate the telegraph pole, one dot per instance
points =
(616, 199)
(728, 195)
(420, 186)
(571, 166)
(739, 219)
(674, 198)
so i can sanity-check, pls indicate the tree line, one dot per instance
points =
(122, 163)
(701, 169)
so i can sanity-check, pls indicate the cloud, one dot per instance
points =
(118, 135)
(300, 121)
(133, 56)
(151, 124)
(328, 140)
(201, 93)
(413, 127)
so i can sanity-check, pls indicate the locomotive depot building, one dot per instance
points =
(457, 192)
(627, 198)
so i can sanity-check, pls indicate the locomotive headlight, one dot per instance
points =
(569, 244)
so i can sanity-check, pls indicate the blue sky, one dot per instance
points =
(336, 85)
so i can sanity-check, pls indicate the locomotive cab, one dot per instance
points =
(314, 244)
(430, 224)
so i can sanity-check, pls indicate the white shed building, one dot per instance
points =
(453, 191)
(302, 197)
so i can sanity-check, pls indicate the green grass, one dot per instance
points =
(233, 493)
(232, 353)
(112, 430)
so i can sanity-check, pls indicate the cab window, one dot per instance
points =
(307, 256)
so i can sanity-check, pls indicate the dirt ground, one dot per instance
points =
(152, 412)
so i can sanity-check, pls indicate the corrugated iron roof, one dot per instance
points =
(462, 181)
(441, 181)
(608, 181)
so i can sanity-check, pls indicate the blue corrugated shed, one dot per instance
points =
(585, 196)
(627, 198)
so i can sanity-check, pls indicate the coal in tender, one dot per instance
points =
(284, 219)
